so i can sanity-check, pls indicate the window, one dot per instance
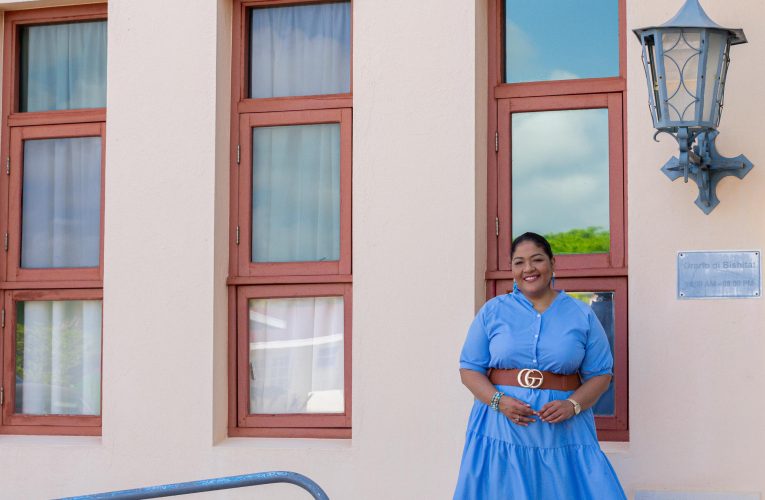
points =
(556, 162)
(54, 97)
(290, 262)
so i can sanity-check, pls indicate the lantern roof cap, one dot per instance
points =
(692, 15)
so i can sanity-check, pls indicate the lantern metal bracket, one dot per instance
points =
(700, 161)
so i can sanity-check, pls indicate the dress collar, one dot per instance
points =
(518, 295)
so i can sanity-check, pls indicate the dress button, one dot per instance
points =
(538, 315)
(535, 361)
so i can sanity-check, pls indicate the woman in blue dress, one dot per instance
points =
(536, 360)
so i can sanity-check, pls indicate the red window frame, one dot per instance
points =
(281, 425)
(14, 423)
(585, 272)
(18, 136)
(610, 428)
(16, 283)
(573, 263)
(310, 117)
(284, 279)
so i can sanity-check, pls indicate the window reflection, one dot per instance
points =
(602, 304)
(560, 175)
(561, 39)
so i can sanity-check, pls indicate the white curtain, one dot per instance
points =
(61, 203)
(58, 357)
(300, 50)
(296, 193)
(63, 66)
(296, 355)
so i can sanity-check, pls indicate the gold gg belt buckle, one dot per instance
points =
(530, 378)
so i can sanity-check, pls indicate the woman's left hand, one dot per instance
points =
(556, 411)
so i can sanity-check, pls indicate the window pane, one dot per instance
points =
(561, 39)
(296, 355)
(300, 50)
(61, 203)
(602, 304)
(296, 193)
(58, 357)
(62, 66)
(560, 178)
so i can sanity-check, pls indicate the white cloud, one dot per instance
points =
(561, 74)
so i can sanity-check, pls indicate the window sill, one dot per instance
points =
(58, 441)
(265, 443)
(615, 447)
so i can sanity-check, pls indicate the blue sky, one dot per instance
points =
(561, 39)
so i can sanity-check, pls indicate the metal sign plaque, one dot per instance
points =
(710, 275)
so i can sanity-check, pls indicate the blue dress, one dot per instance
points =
(543, 461)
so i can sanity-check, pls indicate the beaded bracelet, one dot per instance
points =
(494, 403)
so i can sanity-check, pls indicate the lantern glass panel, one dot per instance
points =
(716, 45)
(682, 51)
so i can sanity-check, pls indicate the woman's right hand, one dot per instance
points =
(517, 411)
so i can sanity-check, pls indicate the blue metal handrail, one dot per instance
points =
(220, 483)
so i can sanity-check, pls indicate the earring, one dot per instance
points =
(552, 281)
(515, 287)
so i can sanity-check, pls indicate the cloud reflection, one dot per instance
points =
(559, 170)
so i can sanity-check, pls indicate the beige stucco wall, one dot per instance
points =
(418, 251)
(695, 366)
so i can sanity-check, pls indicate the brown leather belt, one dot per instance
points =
(534, 379)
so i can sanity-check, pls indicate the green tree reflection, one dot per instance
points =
(589, 240)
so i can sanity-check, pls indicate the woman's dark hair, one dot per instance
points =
(536, 239)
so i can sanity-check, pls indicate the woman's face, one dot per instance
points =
(532, 269)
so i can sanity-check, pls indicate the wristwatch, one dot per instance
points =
(577, 406)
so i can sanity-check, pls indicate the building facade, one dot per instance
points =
(178, 293)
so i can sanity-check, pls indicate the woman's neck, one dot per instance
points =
(542, 302)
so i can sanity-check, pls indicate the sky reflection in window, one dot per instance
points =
(561, 39)
(560, 178)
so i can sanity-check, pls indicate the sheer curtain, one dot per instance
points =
(300, 50)
(296, 193)
(296, 355)
(61, 203)
(58, 357)
(63, 66)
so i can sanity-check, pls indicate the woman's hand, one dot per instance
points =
(557, 411)
(517, 411)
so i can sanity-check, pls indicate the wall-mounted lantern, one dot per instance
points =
(686, 60)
